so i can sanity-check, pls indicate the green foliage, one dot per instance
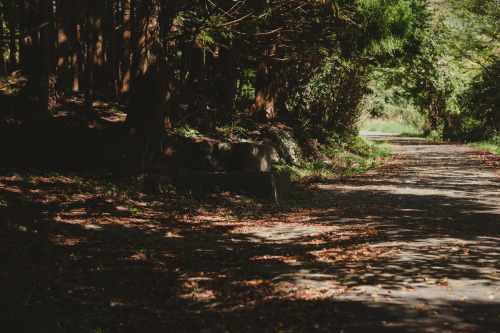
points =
(332, 97)
(479, 118)
(390, 26)
(188, 132)
(401, 126)
(338, 157)
(492, 144)
(453, 80)
(389, 108)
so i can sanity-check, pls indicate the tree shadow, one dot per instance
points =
(366, 259)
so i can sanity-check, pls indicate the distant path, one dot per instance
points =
(434, 212)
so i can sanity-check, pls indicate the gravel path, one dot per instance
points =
(436, 213)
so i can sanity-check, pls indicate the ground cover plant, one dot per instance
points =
(391, 126)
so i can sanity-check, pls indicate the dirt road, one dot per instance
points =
(434, 259)
(411, 246)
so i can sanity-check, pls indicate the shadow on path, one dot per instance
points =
(409, 247)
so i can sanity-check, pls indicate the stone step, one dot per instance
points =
(267, 185)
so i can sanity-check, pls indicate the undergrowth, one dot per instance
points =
(492, 144)
(401, 126)
(338, 158)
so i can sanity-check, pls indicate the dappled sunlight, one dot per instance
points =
(375, 251)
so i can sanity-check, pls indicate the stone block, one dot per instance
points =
(250, 157)
(267, 185)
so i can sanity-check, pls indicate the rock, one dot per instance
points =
(206, 148)
(275, 156)
(286, 146)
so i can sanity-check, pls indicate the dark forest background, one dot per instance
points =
(216, 67)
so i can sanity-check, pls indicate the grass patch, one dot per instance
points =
(492, 144)
(402, 127)
(339, 159)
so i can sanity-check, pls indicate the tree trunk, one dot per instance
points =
(45, 56)
(62, 57)
(12, 46)
(91, 56)
(38, 52)
(95, 62)
(267, 78)
(26, 43)
(199, 118)
(112, 49)
(100, 76)
(127, 46)
(226, 85)
(151, 89)
(269, 86)
(265, 93)
(76, 56)
(3, 64)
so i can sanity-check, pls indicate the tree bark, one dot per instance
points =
(3, 64)
(37, 59)
(152, 88)
(76, 56)
(112, 48)
(100, 69)
(24, 11)
(91, 57)
(45, 56)
(196, 98)
(224, 75)
(265, 93)
(12, 46)
(63, 44)
(127, 46)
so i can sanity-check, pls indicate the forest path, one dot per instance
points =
(432, 254)
(410, 246)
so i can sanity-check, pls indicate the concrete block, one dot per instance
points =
(251, 157)
(267, 185)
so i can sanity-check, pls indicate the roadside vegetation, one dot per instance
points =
(338, 159)
(450, 90)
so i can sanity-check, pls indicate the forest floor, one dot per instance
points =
(411, 246)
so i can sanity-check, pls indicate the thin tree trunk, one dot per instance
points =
(127, 46)
(76, 57)
(24, 11)
(12, 46)
(32, 48)
(52, 37)
(112, 50)
(226, 84)
(38, 52)
(266, 78)
(91, 56)
(63, 43)
(100, 76)
(45, 56)
(3, 64)
(199, 118)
